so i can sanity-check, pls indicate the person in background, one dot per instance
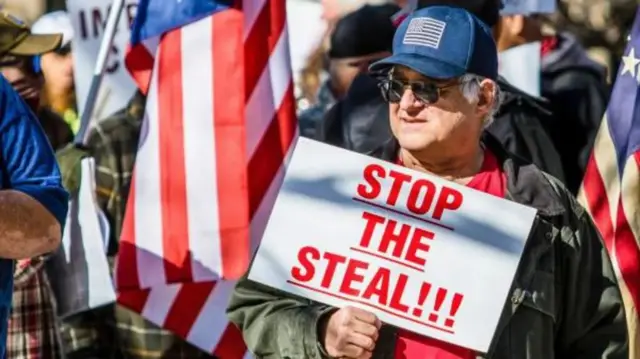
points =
(57, 68)
(310, 30)
(114, 331)
(315, 71)
(440, 99)
(360, 121)
(575, 86)
(21, 68)
(358, 39)
(33, 203)
(312, 75)
(333, 10)
(32, 324)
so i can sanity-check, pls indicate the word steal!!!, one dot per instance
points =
(400, 244)
(416, 250)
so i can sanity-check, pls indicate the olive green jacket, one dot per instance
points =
(564, 302)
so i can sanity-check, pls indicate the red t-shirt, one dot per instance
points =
(549, 43)
(490, 180)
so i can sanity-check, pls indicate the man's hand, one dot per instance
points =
(350, 333)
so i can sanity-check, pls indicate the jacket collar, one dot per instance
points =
(526, 184)
(512, 94)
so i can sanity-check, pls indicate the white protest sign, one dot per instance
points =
(528, 7)
(80, 275)
(89, 18)
(306, 18)
(420, 252)
(521, 66)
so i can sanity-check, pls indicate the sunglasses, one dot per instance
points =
(64, 50)
(26, 63)
(427, 92)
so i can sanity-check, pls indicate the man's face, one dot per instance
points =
(330, 10)
(433, 115)
(57, 68)
(19, 71)
(343, 71)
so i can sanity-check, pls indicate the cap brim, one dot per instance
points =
(424, 65)
(37, 44)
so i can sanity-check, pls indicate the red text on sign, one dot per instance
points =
(422, 192)
(399, 240)
(379, 287)
(382, 287)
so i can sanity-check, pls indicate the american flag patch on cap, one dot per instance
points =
(424, 31)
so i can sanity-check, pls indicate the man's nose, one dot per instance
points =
(409, 100)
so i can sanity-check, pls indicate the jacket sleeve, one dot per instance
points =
(593, 323)
(275, 324)
(28, 162)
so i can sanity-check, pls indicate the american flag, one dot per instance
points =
(611, 186)
(218, 130)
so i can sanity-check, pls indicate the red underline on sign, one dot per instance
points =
(360, 250)
(382, 309)
(379, 206)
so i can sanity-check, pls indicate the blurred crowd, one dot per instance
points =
(339, 102)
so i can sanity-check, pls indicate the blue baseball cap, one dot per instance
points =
(443, 42)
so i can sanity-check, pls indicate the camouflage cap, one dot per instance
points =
(16, 38)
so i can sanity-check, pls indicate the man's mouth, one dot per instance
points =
(412, 120)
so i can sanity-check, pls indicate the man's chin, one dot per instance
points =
(414, 143)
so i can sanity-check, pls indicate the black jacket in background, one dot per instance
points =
(578, 94)
(360, 122)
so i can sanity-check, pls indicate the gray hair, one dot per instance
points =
(470, 88)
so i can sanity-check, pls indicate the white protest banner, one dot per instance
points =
(521, 66)
(528, 7)
(420, 252)
(89, 18)
(306, 18)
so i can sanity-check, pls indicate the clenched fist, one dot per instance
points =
(350, 333)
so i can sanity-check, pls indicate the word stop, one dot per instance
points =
(421, 196)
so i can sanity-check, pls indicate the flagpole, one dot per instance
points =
(98, 72)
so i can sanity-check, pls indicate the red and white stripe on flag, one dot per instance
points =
(612, 200)
(218, 131)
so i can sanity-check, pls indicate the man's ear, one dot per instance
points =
(486, 97)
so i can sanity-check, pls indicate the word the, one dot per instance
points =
(408, 242)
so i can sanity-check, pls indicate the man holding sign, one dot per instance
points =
(431, 233)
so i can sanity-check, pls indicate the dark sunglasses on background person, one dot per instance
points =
(427, 92)
(64, 50)
(363, 63)
(26, 63)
